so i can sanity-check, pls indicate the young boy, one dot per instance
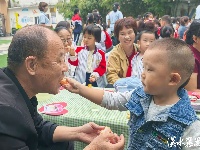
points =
(161, 114)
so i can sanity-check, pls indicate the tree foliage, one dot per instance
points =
(128, 7)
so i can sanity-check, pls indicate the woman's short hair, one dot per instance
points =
(128, 22)
(93, 30)
(194, 29)
(42, 6)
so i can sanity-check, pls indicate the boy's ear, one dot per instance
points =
(31, 64)
(175, 78)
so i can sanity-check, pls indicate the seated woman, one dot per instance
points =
(193, 39)
(119, 60)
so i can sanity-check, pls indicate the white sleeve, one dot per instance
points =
(103, 36)
(120, 15)
(116, 100)
(191, 137)
(73, 58)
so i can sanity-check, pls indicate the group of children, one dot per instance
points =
(89, 60)
(161, 113)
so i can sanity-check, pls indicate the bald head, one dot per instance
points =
(29, 41)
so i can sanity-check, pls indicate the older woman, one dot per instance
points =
(119, 60)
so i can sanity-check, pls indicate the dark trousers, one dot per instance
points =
(76, 37)
(58, 146)
(94, 84)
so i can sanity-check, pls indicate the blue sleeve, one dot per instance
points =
(42, 19)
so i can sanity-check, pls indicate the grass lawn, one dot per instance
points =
(3, 60)
(4, 41)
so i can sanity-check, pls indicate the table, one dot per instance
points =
(82, 111)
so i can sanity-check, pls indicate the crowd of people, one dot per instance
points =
(163, 54)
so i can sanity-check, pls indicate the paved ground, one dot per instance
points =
(4, 47)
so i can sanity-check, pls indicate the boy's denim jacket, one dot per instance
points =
(162, 130)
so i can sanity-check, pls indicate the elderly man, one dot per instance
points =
(36, 65)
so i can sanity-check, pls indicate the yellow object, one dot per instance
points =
(128, 115)
(18, 26)
(90, 85)
(53, 9)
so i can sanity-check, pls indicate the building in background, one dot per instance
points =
(19, 13)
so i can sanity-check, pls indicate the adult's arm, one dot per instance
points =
(85, 133)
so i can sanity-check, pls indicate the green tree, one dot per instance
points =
(128, 7)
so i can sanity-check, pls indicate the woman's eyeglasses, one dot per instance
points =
(66, 40)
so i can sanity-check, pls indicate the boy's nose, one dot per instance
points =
(143, 75)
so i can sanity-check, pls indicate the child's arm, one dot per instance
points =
(109, 100)
(73, 58)
(101, 69)
(94, 95)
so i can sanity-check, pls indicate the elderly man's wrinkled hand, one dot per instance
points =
(107, 140)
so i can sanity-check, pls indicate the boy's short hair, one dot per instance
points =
(180, 57)
(166, 18)
(93, 30)
(144, 31)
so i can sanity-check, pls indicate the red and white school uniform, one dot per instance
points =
(94, 63)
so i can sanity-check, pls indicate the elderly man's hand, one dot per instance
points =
(89, 131)
(106, 141)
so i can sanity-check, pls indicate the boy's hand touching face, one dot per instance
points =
(71, 50)
(92, 79)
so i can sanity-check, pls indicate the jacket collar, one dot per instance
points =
(122, 53)
(95, 50)
(142, 102)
